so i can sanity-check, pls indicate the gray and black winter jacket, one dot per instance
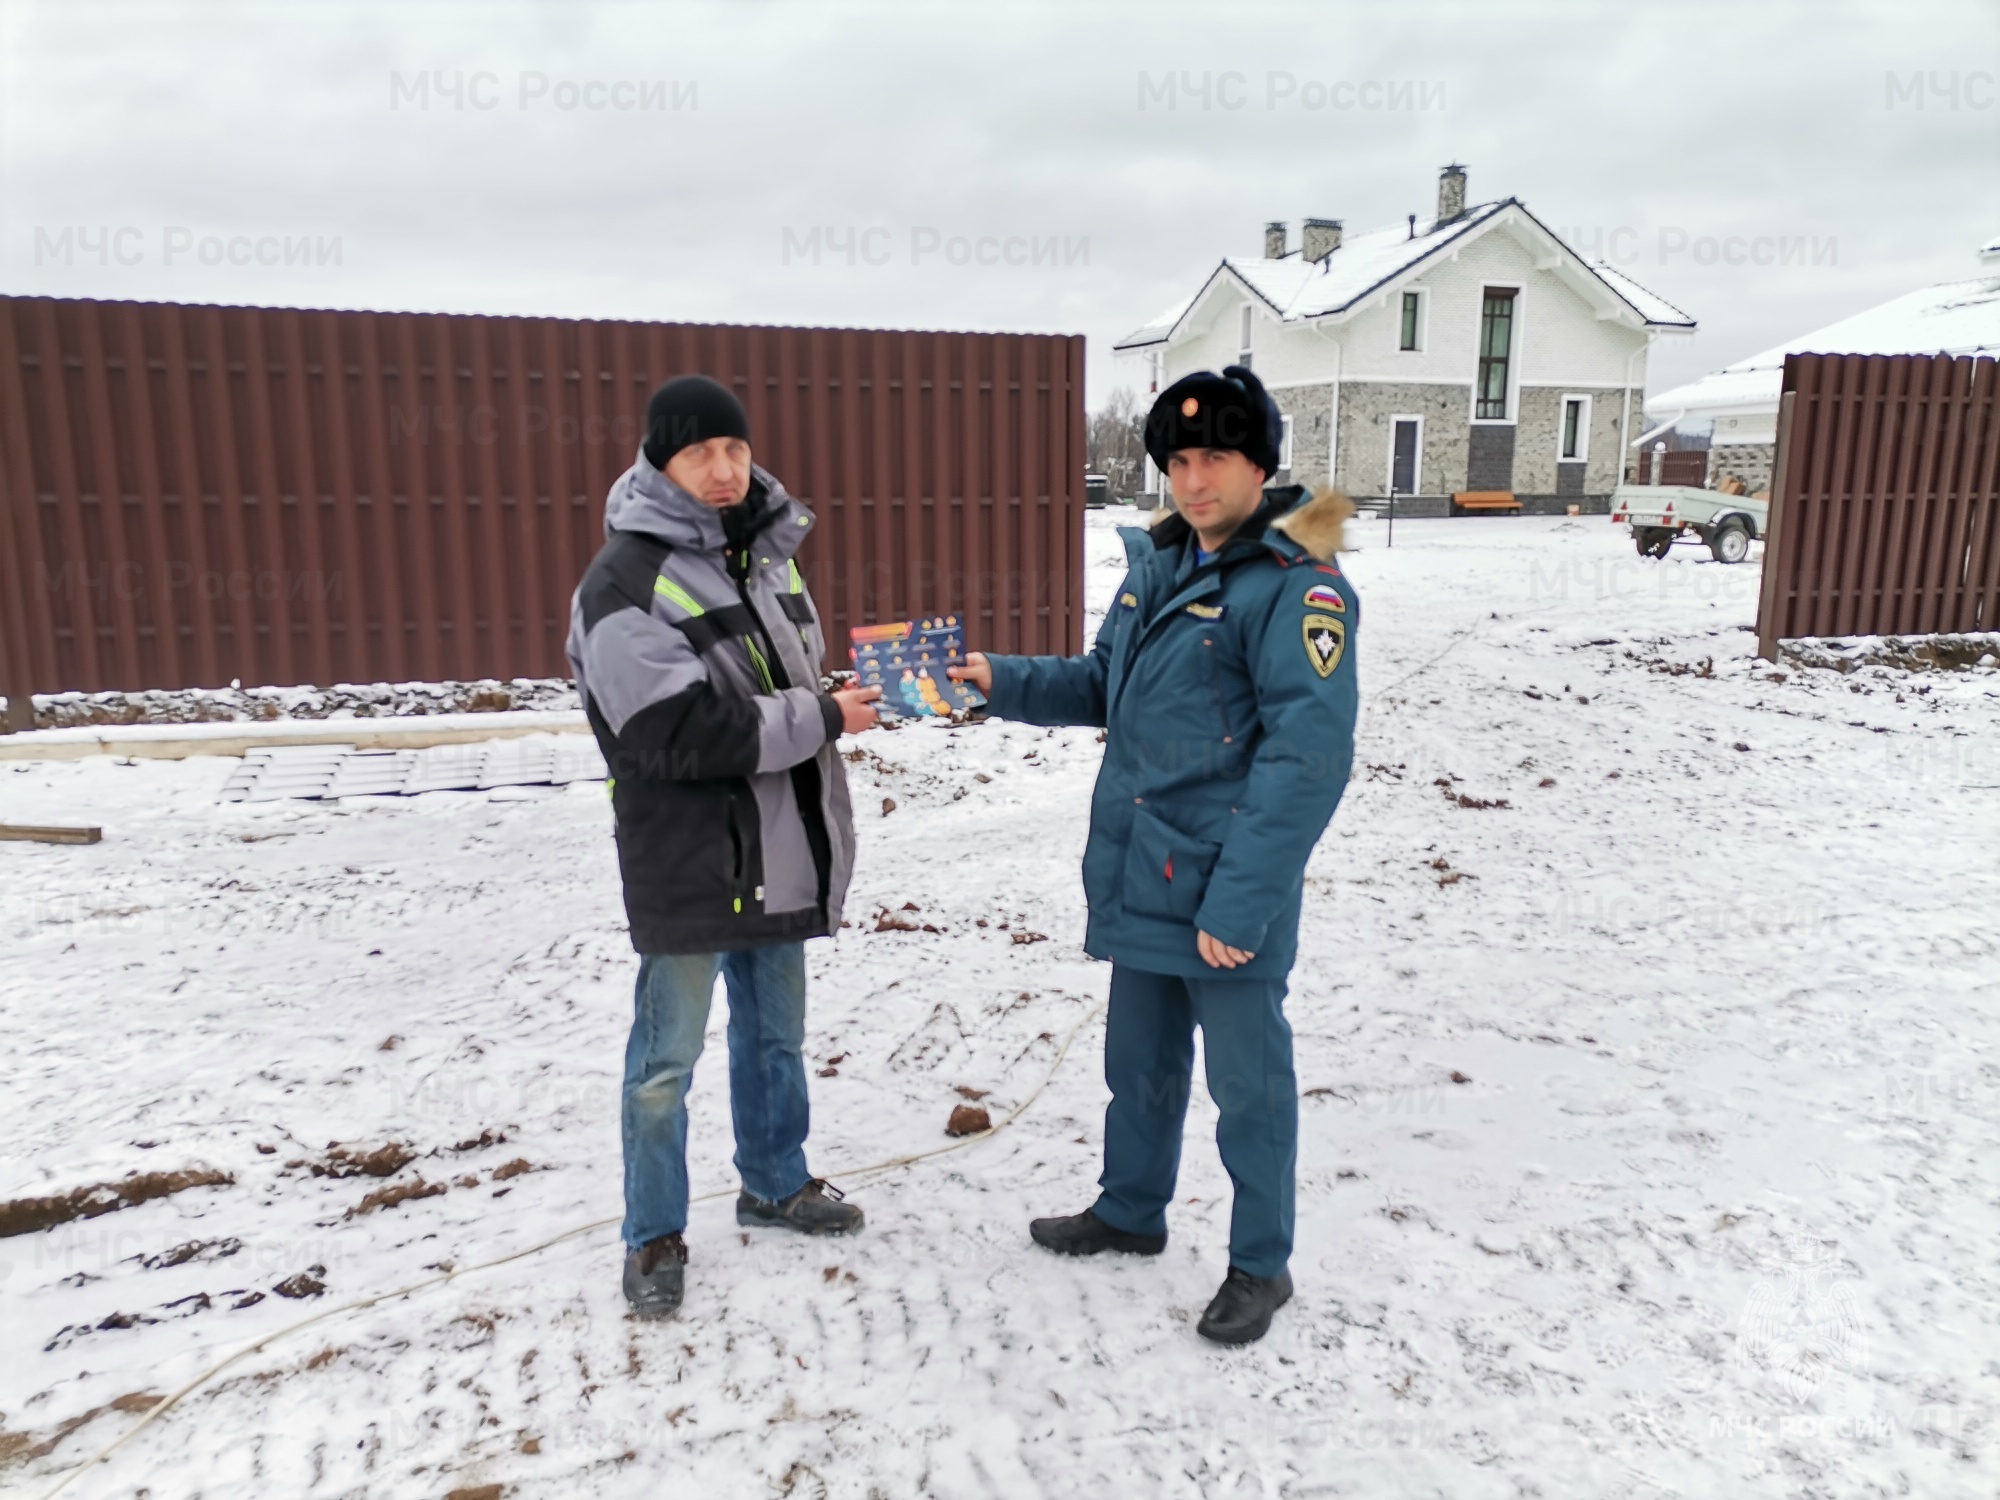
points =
(696, 651)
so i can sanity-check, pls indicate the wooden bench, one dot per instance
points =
(1485, 500)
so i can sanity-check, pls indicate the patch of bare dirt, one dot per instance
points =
(395, 1193)
(26, 1215)
(1703, 668)
(1465, 799)
(22, 1447)
(385, 1160)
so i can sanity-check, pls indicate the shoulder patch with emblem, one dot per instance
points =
(1325, 596)
(1326, 642)
(1207, 611)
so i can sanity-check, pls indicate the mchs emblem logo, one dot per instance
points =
(1326, 642)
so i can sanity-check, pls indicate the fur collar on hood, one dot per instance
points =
(1319, 523)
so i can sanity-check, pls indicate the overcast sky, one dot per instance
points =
(897, 129)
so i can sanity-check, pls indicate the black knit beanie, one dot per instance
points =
(1205, 410)
(691, 409)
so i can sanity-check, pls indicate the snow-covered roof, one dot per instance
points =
(1296, 288)
(1654, 308)
(1958, 317)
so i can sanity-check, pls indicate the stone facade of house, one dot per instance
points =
(1366, 432)
(1311, 409)
(1749, 462)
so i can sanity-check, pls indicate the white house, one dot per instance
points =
(1474, 351)
(1741, 400)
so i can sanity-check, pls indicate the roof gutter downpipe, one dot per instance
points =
(1647, 437)
(1625, 412)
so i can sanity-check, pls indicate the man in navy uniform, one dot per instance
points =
(1223, 677)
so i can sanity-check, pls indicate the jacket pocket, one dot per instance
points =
(1166, 871)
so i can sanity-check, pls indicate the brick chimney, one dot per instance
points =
(1274, 240)
(1451, 194)
(1321, 238)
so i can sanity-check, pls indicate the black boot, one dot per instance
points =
(1241, 1312)
(655, 1276)
(1086, 1234)
(809, 1210)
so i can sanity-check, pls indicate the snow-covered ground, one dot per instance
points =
(1648, 1148)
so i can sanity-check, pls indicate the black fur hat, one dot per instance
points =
(1205, 410)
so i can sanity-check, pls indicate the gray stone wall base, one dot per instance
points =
(1433, 507)
(1558, 505)
(1750, 462)
(1414, 506)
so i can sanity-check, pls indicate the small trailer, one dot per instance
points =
(1659, 514)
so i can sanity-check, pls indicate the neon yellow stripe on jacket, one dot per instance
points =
(763, 667)
(667, 587)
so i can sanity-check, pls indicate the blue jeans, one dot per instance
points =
(767, 1078)
(1149, 1063)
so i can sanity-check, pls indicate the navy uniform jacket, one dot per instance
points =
(1228, 699)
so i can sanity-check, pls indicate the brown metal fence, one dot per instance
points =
(190, 495)
(1885, 507)
(1688, 466)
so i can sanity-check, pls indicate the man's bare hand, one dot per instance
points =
(855, 713)
(977, 670)
(1219, 955)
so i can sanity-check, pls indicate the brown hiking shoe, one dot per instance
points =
(810, 1210)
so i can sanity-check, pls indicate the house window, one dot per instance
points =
(1412, 321)
(1243, 337)
(1285, 443)
(1574, 441)
(1496, 342)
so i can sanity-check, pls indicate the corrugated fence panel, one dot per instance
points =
(194, 495)
(1885, 510)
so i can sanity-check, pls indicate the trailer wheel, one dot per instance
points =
(1730, 542)
(1652, 541)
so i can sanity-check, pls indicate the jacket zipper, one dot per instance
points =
(1214, 689)
(759, 662)
(763, 667)
(735, 856)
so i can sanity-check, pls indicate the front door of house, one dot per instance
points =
(1403, 465)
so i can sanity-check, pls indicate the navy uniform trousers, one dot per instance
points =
(1149, 1065)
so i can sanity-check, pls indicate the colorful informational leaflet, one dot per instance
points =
(907, 659)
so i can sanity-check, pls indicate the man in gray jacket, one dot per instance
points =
(696, 651)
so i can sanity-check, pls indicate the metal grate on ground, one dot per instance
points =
(316, 772)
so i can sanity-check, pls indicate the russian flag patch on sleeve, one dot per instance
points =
(1323, 596)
